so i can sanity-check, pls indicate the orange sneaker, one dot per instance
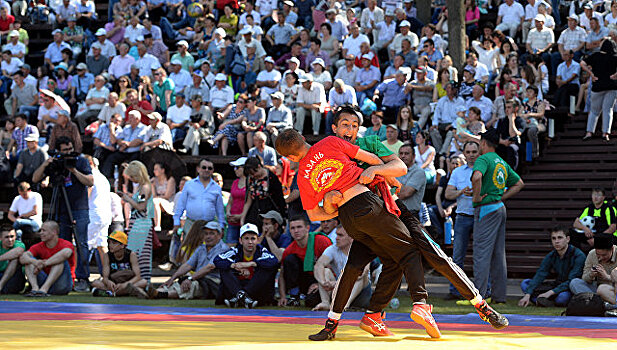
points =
(421, 314)
(373, 323)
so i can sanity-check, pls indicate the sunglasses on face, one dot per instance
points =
(206, 167)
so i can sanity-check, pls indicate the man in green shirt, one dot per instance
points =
(493, 181)
(12, 279)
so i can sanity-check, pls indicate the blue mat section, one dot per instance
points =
(472, 318)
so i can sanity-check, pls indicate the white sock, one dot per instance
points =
(333, 315)
(477, 300)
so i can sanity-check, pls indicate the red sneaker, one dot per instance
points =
(421, 314)
(373, 323)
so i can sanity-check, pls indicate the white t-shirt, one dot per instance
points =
(512, 13)
(99, 201)
(353, 44)
(12, 67)
(21, 205)
(179, 115)
(339, 259)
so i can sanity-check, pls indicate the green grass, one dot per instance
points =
(440, 306)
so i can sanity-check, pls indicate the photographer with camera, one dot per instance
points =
(70, 175)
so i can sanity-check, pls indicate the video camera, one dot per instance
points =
(60, 164)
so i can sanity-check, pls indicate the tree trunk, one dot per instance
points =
(456, 32)
(424, 11)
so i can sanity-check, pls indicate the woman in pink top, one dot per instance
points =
(472, 16)
(236, 202)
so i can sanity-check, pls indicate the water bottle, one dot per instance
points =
(448, 231)
(528, 151)
(394, 303)
(116, 180)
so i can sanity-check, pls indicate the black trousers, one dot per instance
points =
(116, 158)
(295, 276)
(260, 287)
(382, 235)
(562, 95)
(390, 277)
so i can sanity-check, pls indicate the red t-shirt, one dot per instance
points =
(327, 167)
(144, 118)
(41, 252)
(321, 243)
(5, 24)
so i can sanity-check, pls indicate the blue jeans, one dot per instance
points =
(233, 234)
(167, 29)
(16, 283)
(560, 300)
(329, 122)
(82, 219)
(30, 111)
(178, 134)
(21, 223)
(578, 286)
(436, 220)
(64, 283)
(463, 228)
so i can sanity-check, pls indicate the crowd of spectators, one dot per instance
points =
(226, 77)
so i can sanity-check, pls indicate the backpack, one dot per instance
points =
(38, 14)
(237, 65)
(585, 304)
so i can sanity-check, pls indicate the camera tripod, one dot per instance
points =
(59, 191)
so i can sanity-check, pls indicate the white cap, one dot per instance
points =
(246, 30)
(248, 228)
(238, 162)
(269, 59)
(13, 33)
(100, 32)
(390, 12)
(368, 56)
(183, 43)
(221, 32)
(319, 61)
(574, 17)
(306, 77)
(540, 18)
(405, 23)
(220, 77)
(294, 60)
(176, 61)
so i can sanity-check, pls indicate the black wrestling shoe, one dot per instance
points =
(327, 333)
(235, 301)
(488, 314)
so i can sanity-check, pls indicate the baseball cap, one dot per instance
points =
(220, 77)
(470, 69)
(540, 18)
(100, 32)
(330, 11)
(490, 135)
(180, 94)
(306, 77)
(238, 162)
(213, 225)
(13, 33)
(248, 228)
(26, 66)
(176, 61)
(278, 95)
(56, 31)
(32, 137)
(221, 32)
(82, 66)
(119, 237)
(289, 3)
(319, 61)
(135, 114)
(574, 17)
(367, 56)
(389, 12)
(269, 59)
(420, 69)
(246, 30)
(294, 60)
(183, 43)
(155, 115)
(588, 6)
(393, 126)
(273, 214)
(405, 23)
(97, 45)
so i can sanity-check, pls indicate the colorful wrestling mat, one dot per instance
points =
(47, 325)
